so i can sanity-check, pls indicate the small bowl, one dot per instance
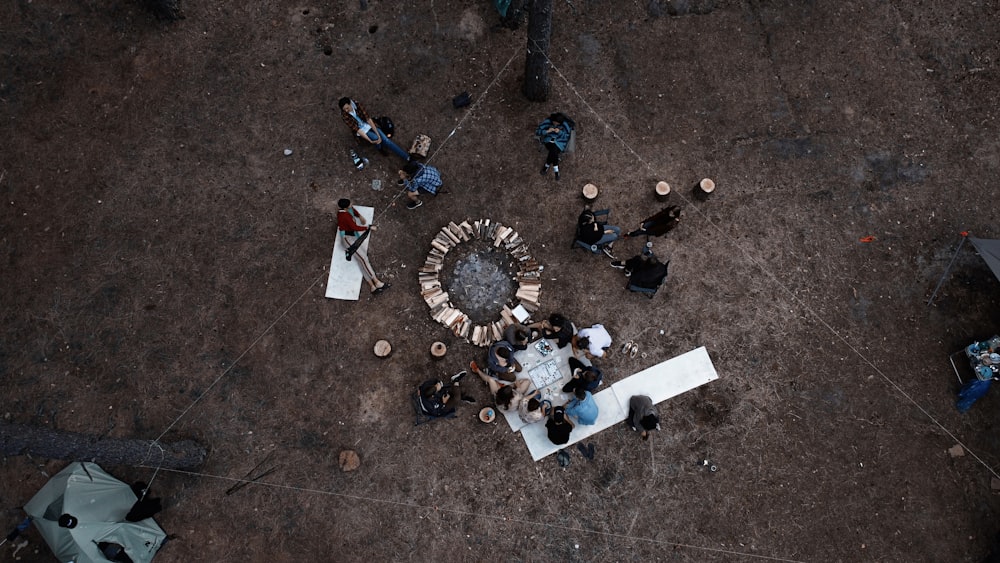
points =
(488, 414)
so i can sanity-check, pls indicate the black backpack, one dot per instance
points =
(386, 125)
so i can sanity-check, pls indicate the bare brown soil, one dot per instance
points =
(164, 270)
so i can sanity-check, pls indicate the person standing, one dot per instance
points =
(642, 414)
(351, 226)
(361, 123)
(417, 177)
(554, 133)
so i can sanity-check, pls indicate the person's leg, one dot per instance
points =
(361, 256)
(553, 156)
(387, 143)
(610, 237)
(522, 385)
(575, 364)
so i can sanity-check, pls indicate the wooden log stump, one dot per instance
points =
(383, 349)
(421, 146)
(590, 193)
(438, 350)
(704, 189)
(662, 191)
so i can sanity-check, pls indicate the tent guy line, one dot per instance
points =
(514, 520)
(794, 298)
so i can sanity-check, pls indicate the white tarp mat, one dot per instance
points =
(345, 279)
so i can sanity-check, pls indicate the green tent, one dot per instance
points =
(99, 503)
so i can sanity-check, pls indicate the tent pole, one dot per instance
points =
(948, 269)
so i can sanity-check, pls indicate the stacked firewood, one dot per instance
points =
(528, 278)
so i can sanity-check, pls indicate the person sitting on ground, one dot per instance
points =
(643, 270)
(364, 127)
(417, 177)
(587, 377)
(558, 426)
(659, 224)
(595, 233)
(556, 328)
(508, 395)
(595, 341)
(642, 414)
(438, 399)
(554, 132)
(531, 410)
(583, 407)
(500, 361)
(517, 335)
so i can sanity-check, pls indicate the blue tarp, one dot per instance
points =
(972, 392)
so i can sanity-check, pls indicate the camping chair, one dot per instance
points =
(649, 291)
(594, 248)
(421, 415)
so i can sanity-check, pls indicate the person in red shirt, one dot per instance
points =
(350, 225)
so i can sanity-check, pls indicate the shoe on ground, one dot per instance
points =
(545, 169)
(607, 252)
(618, 264)
(382, 289)
(458, 376)
(557, 174)
(473, 366)
(468, 399)
(414, 204)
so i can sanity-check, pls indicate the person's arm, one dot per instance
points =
(357, 217)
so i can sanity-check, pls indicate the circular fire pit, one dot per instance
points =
(475, 294)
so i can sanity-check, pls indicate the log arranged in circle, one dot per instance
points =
(528, 277)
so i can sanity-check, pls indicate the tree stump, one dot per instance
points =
(662, 191)
(349, 460)
(438, 350)
(703, 189)
(383, 348)
(590, 193)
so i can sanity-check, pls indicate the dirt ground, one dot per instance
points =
(164, 268)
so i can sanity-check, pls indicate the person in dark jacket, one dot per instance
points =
(642, 414)
(659, 224)
(554, 133)
(558, 426)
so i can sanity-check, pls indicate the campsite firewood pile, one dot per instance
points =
(528, 278)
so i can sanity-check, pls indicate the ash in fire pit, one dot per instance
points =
(480, 282)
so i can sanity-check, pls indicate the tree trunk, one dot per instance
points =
(20, 439)
(536, 65)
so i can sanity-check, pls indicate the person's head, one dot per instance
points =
(648, 424)
(430, 390)
(589, 376)
(556, 320)
(580, 393)
(503, 353)
(68, 521)
(521, 334)
(533, 405)
(411, 168)
(559, 415)
(583, 342)
(344, 104)
(343, 203)
(557, 118)
(504, 396)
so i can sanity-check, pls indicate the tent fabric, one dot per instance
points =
(989, 249)
(100, 503)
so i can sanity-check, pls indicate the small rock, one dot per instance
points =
(956, 451)
(349, 460)
(288, 152)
